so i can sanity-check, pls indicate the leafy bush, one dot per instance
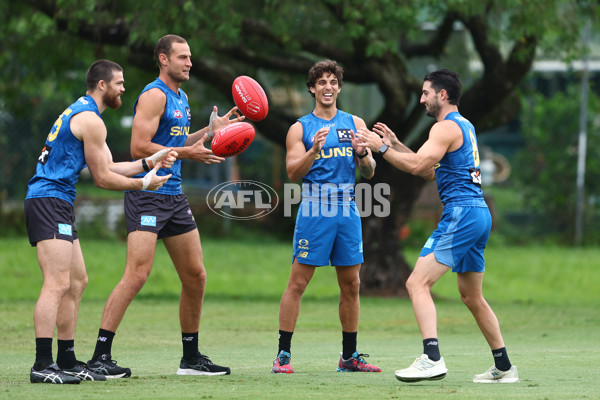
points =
(547, 172)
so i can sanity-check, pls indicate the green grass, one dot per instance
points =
(546, 300)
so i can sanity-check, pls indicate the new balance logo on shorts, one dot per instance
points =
(65, 229)
(148, 220)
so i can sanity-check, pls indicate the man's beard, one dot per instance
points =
(433, 110)
(112, 101)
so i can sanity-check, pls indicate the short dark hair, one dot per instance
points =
(164, 45)
(448, 80)
(101, 70)
(326, 66)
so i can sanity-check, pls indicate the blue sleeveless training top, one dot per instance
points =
(335, 163)
(62, 157)
(173, 130)
(458, 175)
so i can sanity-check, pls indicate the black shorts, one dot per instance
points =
(166, 215)
(49, 218)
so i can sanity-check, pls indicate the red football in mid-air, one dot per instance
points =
(232, 139)
(250, 98)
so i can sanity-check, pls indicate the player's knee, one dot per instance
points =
(195, 279)
(78, 285)
(350, 287)
(412, 285)
(471, 300)
(136, 280)
(297, 288)
(57, 287)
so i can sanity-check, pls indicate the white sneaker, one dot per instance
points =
(494, 375)
(423, 369)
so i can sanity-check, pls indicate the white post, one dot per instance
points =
(582, 142)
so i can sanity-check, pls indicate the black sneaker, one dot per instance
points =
(105, 365)
(201, 365)
(81, 371)
(52, 374)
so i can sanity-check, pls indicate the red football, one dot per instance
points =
(250, 98)
(232, 139)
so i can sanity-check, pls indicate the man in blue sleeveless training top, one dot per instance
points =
(77, 139)
(459, 241)
(162, 119)
(323, 151)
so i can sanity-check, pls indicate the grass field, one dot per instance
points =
(546, 300)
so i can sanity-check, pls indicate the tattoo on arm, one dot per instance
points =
(366, 170)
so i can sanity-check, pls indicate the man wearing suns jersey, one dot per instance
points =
(162, 118)
(459, 241)
(323, 151)
(77, 139)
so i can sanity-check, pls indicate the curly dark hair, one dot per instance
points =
(326, 66)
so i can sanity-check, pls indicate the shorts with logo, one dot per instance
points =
(49, 218)
(327, 233)
(166, 215)
(460, 238)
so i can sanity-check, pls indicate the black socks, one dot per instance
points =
(66, 354)
(104, 343)
(43, 353)
(501, 360)
(431, 348)
(285, 341)
(190, 345)
(348, 344)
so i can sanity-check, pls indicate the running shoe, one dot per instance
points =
(201, 365)
(494, 375)
(356, 363)
(105, 365)
(423, 369)
(283, 363)
(52, 374)
(81, 371)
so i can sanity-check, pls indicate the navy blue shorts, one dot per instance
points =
(49, 218)
(328, 233)
(460, 238)
(166, 215)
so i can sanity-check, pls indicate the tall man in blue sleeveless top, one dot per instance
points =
(459, 241)
(162, 118)
(323, 151)
(77, 139)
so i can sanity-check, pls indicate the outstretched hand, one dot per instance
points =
(358, 144)
(199, 152)
(319, 139)
(388, 136)
(369, 138)
(217, 123)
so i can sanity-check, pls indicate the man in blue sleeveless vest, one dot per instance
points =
(323, 151)
(459, 241)
(162, 118)
(77, 139)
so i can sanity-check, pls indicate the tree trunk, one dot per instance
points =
(385, 269)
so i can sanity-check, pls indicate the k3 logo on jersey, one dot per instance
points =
(43, 158)
(188, 114)
(344, 135)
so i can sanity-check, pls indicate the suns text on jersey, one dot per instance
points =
(335, 152)
(180, 131)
